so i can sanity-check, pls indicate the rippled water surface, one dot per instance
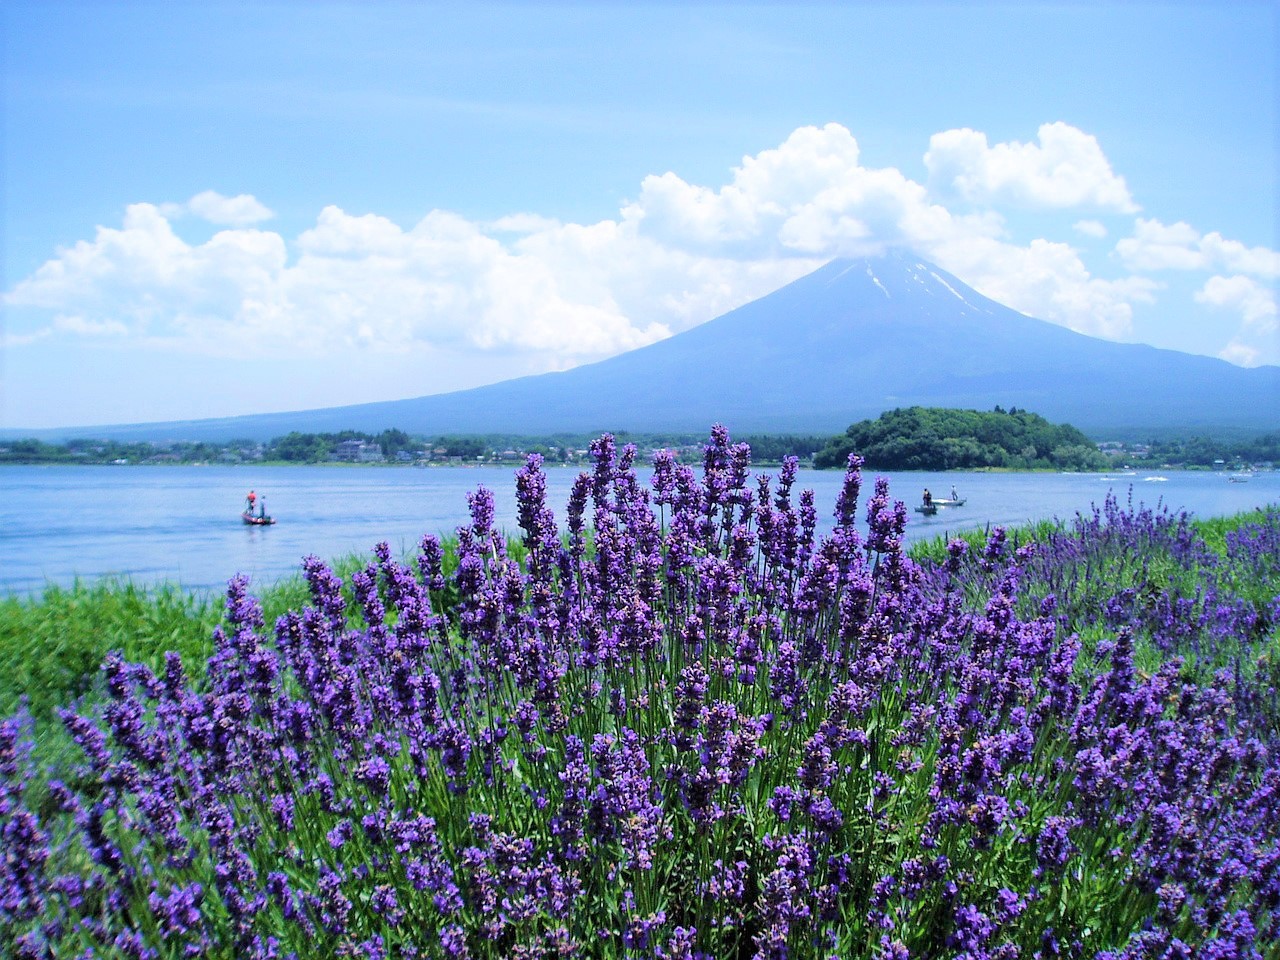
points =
(182, 524)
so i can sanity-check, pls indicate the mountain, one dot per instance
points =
(844, 343)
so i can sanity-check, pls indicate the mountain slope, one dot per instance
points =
(844, 343)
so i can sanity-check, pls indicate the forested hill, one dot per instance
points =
(936, 438)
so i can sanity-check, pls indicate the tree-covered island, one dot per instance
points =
(938, 438)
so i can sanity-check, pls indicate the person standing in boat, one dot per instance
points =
(262, 507)
(928, 497)
(954, 495)
(250, 499)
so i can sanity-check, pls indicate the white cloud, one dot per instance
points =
(11, 341)
(1256, 303)
(1233, 255)
(1049, 281)
(1179, 246)
(1066, 169)
(523, 223)
(1240, 353)
(563, 293)
(237, 211)
(89, 328)
(1156, 246)
(810, 195)
(357, 281)
(1091, 228)
(1258, 337)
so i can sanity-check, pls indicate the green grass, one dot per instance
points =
(51, 646)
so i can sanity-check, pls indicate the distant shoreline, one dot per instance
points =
(581, 465)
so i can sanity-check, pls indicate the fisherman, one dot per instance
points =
(928, 497)
(954, 495)
(250, 499)
(262, 507)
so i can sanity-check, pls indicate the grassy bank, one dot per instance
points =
(52, 646)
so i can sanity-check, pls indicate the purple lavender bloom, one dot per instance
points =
(680, 945)
(24, 852)
(453, 940)
(386, 904)
(179, 912)
(375, 773)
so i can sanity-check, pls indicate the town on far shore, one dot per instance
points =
(394, 447)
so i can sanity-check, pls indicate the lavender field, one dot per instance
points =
(676, 723)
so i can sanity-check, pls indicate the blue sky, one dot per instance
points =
(214, 209)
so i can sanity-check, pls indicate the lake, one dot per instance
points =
(182, 523)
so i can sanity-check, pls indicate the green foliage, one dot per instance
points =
(955, 440)
(51, 646)
(1204, 451)
(938, 438)
(468, 448)
(393, 441)
(771, 449)
(299, 448)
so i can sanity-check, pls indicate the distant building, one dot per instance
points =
(358, 451)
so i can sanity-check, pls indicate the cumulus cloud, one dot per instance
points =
(676, 255)
(1256, 303)
(1179, 246)
(1259, 332)
(523, 223)
(1067, 168)
(355, 281)
(1156, 246)
(1050, 281)
(811, 195)
(237, 211)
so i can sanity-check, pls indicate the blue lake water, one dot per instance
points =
(182, 524)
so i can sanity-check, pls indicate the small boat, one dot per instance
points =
(1239, 478)
(928, 509)
(257, 521)
(944, 502)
